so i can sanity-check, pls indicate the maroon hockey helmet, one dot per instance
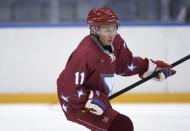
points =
(101, 16)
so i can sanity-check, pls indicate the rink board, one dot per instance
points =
(125, 98)
(33, 57)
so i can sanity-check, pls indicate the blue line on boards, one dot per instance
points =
(70, 25)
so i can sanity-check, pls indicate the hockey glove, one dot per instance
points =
(97, 102)
(165, 68)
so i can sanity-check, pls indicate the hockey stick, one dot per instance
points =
(147, 78)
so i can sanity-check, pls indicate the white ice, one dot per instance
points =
(44, 117)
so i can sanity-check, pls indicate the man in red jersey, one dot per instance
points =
(86, 82)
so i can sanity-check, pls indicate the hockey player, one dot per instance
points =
(86, 82)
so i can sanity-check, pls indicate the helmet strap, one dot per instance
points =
(93, 29)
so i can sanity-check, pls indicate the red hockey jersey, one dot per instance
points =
(91, 67)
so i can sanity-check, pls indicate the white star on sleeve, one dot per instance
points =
(65, 98)
(131, 67)
(64, 108)
(80, 93)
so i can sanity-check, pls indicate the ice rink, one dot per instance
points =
(49, 117)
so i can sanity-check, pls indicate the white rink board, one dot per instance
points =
(32, 58)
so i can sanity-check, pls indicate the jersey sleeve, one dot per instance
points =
(126, 63)
(70, 82)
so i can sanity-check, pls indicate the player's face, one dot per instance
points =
(107, 33)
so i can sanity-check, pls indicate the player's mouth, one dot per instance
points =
(110, 40)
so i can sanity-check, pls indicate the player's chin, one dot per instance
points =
(109, 42)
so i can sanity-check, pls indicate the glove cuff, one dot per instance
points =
(97, 103)
(152, 67)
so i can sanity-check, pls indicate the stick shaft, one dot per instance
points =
(147, 78)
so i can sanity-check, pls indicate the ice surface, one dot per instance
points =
(48, 117)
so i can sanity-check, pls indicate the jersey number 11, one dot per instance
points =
(79, 78)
